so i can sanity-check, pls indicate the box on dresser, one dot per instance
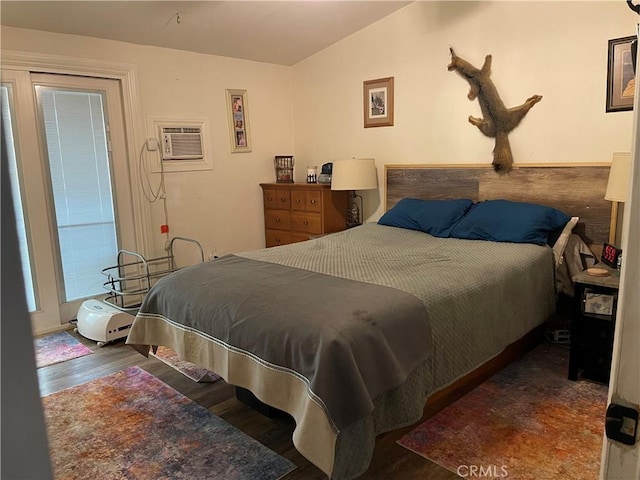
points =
(299, 211)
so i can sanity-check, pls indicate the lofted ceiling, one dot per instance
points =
(280, 32)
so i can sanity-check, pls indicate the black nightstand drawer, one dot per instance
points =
(595, 362)
(595, 333)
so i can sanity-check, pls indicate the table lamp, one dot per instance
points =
(354, 174)
(617, 187)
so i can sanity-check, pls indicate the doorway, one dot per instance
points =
(73, 198)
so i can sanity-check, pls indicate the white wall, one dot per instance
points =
(555, 49)
(222, 208)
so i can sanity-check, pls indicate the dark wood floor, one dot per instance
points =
(390, 461)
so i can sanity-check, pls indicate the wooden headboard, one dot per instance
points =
(575, 189)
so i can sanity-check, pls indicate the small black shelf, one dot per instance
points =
(592, 333)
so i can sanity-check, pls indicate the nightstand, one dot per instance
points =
(593, 326)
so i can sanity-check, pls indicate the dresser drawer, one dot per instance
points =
(314, 201)
(277, 198)
(273, 238)
(307, 200)
(300, 237)
(277, 219)
(306, 222)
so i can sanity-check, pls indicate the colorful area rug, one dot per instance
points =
(132, 425)
(191, 370)
(58, 347)
(526, 422)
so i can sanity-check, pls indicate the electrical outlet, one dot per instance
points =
(621, 423)
(562, 337)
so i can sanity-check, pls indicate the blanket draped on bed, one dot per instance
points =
(337, 335)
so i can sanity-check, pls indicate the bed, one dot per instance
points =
(352, 332)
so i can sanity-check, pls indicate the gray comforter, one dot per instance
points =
(289, 324)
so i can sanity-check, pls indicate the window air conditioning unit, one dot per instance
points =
(181, 142)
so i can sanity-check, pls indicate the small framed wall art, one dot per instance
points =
(378, 102)
(620, 75)
(238, 107)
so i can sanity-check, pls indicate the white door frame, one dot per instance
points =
(619, 461)
(127, 76)
(118, 169)
(35, 205)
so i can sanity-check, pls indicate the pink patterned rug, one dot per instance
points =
(58, 347)
(526, 422)
(131, 425)
(191, 370)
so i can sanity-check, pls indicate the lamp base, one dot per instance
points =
(353, 214)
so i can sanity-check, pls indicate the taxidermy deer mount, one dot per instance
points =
(498, 120)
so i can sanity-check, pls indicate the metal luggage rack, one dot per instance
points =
(131, 279)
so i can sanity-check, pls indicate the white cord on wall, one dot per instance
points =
(146, 187)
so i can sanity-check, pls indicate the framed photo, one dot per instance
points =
(238, 107)
(620, 75)
(378, 102)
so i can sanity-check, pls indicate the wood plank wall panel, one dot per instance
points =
(576, 189)
(430, 183)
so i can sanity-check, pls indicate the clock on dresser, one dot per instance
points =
(593, 325)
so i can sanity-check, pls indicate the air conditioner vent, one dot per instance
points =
(181, 143)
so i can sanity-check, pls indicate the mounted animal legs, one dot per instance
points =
(497, 120)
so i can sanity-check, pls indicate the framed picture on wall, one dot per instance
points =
(238, 107)
(620, 75)
(378, 102)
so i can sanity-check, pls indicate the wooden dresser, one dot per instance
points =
(295, 212)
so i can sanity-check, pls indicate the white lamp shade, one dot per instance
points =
(618, 184)
(354, 174)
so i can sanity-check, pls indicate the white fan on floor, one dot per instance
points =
(102, 323)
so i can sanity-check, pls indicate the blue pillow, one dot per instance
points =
(506, 221)
(435, 217)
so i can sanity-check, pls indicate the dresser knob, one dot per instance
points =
(313, 202)
(269, 199)
(297, 200)
(277, 219)
(283, 199)
(306, 222)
